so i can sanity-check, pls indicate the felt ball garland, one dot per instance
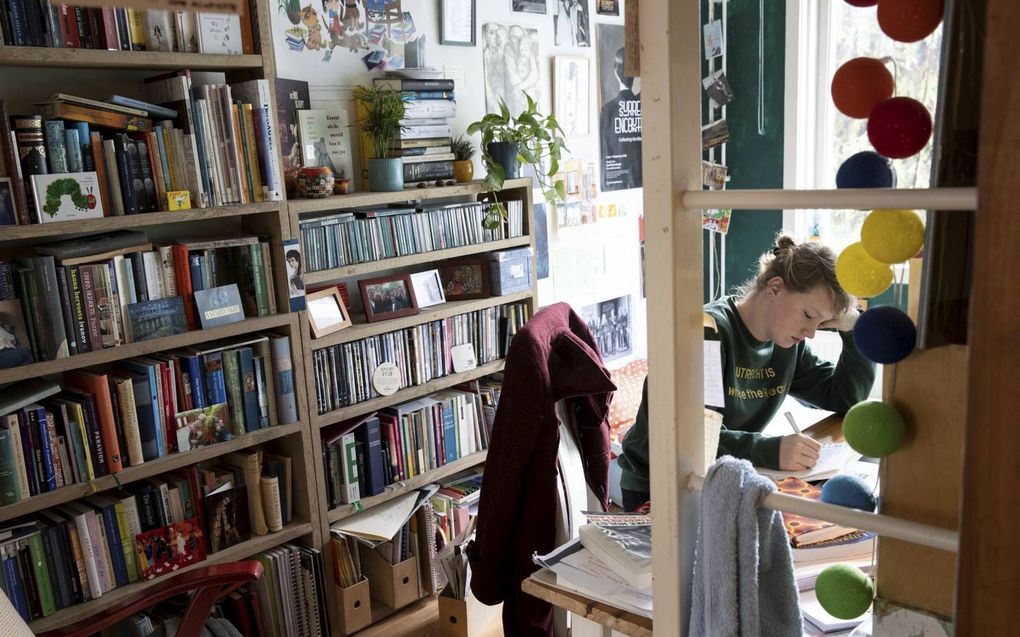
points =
(873, 428)
(860, 274)
(860, 84)
(844, 591)
(899, 127)
(848, 491)
(909, 20)
(892, 235)
(862, 3)
(866, 169)
(885, 335)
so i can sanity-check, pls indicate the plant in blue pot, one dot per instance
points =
(380, 112)
(509, 141)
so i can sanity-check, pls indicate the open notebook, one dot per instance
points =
(832, 457)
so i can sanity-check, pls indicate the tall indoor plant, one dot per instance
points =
(508, 141)
(379, 114)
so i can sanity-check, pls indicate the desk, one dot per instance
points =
(542, 584)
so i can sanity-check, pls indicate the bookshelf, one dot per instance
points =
(519, 189)
(42, 57)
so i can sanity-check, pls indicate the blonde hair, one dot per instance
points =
(802, 267)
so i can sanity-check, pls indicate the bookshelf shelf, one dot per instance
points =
(120, 595)
(410, 393)
(354, 200)
(325, 276)
(407, 486)
(142, 348)
(106, 224)
(145, 470)
(30, 56)
(434, 313)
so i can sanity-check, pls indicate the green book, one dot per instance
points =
(10, 492)
(235, 395)
(42, 574)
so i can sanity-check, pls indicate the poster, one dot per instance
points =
(570, 23)
(620, 114)
(510, 58)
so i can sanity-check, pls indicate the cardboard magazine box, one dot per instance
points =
(395, 585)
(355, 607)
(465, 617)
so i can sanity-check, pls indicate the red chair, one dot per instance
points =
(209, 584)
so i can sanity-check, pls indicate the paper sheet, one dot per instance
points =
(714, 394)
(381, 522)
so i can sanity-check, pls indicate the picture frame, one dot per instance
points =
(465, 279)
(8, 209)
(428, 288)
(457, 22)
(572, 94)
(327, 312)
(388, 297)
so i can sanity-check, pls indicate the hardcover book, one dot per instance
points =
(802, 530)
(326, 141)
(627, 550)
(156, 319)
(226, 514)
(219, 306)
(67, 197)
(203, 426)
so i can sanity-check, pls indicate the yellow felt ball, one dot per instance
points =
(860, 274)
(892, 236)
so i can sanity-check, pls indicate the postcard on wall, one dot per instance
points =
(295, 283)
(511, 66)
(572, 93)
(607, 7)
(717, 87)
(713, 175)
(571, 26)
(716, 220)
(326, 141)
(714, 134)
(67, 197)
(713, 39)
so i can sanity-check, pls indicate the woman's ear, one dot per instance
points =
(774, 286)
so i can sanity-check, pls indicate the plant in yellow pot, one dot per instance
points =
(463, 167)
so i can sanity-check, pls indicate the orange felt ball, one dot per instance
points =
(859, 85)
(909, 20)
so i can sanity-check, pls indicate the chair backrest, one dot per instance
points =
(11, 623)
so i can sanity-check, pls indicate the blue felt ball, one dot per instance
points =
(848, 491)
(866, 169)
(885, 335)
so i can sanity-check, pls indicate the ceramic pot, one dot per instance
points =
(314, 182)
(463, 170)
(505, 154)
(385, 175)
(341, 186)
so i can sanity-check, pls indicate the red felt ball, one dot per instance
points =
(861, 3)
(899, 127)
(859, 85)
(909, 20)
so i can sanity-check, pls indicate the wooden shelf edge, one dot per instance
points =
(106, 224)
(445, 310)
(407, 486)
(410, 393)
(353, 200)
(117, 596)
(145, 470)
(357, 269)
(142, 348)
(30, 56)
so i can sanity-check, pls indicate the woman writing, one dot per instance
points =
(762, 332)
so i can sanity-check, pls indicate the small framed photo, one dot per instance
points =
(465, 279)
(327, 312)
(572, 94)
(388, 297)
(428, 288)
(8, 215)
(457, 22)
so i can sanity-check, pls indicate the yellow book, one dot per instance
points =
(136, 29)
(253, 152)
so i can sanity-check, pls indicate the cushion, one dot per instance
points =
(629, 380)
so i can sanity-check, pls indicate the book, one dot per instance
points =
(156, 319)
(105, 118)
(855, 545)
(67, 197)
(803, 530)
(269, 487)
(326, 141)
(97, 245)
(627, 550)
(219, 33)
(149, 109)
(203, 426)
(218, 306)
(226, 514)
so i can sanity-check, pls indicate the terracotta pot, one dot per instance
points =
(463, 170)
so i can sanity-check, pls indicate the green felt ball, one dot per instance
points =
(844, 591)
(892, 236)
(874, 428)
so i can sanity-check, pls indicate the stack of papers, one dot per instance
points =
(826, 623)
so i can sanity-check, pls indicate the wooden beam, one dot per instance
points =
(988, 579)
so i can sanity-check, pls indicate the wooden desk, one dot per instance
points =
(542, 585)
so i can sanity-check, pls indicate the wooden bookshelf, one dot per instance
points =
(410, 393)
(106, 224)
(130, 350)
(358, 269)
(361, 329)
(145, 470)
(358, 199)
(257, 543)
(397, 489)
(31, 56)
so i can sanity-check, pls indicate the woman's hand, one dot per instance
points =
(844, 322)
(798, 452)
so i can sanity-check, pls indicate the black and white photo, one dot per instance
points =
(572, 94)
(713, 39)
(428, 288)
(510, 59)
(609, 322)
(528, 6)
(717, 87)
(620, 115)
(570, 23)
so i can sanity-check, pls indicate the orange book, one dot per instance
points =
(182, 271)
(803, 530)
(99, 161)
(99, 386)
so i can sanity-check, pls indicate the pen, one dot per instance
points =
(793, 423)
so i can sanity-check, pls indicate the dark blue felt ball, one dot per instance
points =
(848, 491)
(866, 169)
(885, 335)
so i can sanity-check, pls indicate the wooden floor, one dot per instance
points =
(422, 620)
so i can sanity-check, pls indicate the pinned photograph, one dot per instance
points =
(609, 322)
(714, 134)
(428, 288)
(327, 312)
(572, 94)
(713, 39)
(607, 7)
(511, 66)
(713, 175)
(716, 220)
(570, 23)
(718, 89)
(528, 6)
(388, 297)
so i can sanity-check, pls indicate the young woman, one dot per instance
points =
(764, 354)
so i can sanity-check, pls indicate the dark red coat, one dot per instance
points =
(553, 358)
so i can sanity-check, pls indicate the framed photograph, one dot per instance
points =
(466, 279)
(388, 297)
(572, 94)
(327, 312)
(570, 23)
(528, 6)
(607, 7)
(8, 215)
(428, 288)
(457, 22)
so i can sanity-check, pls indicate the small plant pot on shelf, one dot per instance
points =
(385, 175)
(505, 154)
(314, 182)
(463, 170)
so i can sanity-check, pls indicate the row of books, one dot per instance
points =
(363, 456)
(54, 25)
(85, 549)
(452, 505)
(360, 236)
(343, 373)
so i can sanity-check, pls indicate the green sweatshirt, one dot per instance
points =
(756, 377)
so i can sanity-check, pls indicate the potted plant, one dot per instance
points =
(507, 142)
(381, 111)
(463, 167)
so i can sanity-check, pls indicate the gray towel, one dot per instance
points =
(743, 581)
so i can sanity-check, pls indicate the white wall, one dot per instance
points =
(608, 251)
